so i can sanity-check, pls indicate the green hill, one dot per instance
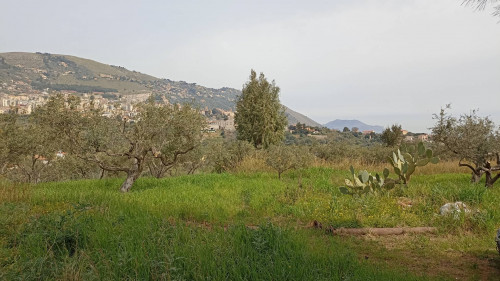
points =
(40, 71)
(294, 117)
(36, 72)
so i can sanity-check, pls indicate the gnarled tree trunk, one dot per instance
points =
(477, 172)
(133, 173)
(488, 169)
(129, 181)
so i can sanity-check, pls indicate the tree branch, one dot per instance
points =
(126, 154)
(474, 170)
(176, 155)
(102, 165)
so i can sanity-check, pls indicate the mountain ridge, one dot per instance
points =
(22, 72)
(339, 124)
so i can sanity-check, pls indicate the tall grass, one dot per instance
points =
(256, 163)
(69, 235)
(202, 226)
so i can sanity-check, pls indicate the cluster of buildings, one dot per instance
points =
(23, 104)
(118, 105)
(414, 137)
(223, 120)
(227, 125)
(26, 103)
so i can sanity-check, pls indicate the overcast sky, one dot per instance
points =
(379, 61)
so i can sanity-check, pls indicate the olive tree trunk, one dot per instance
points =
(132, 174)
(129, 181)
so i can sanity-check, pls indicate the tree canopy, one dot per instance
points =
(474, 139)
(260, 117)
(160, 133)
(392, 136)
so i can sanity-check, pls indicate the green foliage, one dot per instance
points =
(470, 137)
(404, 163)
(225, 155)
(473, 139)
(260, 117)
(392, 136)
(338, 147)
(364, 182)
(160, 133)
(28, 147)
(283, 158)
(408, 158)
(216, 226)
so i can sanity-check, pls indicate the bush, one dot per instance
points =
(283, 158)
(225, 155)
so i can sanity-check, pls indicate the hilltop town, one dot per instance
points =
(111, 105)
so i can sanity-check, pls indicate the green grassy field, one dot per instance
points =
(244, 226)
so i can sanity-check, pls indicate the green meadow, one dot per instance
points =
(245, 226)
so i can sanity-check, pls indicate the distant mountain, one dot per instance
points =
(295, 117)
(33, 73)
(340, 124)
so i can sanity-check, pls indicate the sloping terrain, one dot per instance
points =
(294, 117)
(32, 73)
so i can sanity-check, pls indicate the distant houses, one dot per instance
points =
(423, 137)
(417, 137)
(227, 125)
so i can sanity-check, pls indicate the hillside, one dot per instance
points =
(295, 117)
(29, 73)
(33, 73)
(340, 124)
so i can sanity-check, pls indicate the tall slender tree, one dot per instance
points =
(260, 117)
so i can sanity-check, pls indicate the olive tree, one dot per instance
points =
(224, 155)
(283, 158)
(260, 117)
(473, 139)
(124, 145)
(27, 146)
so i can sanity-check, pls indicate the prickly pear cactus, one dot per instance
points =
(364, 182)
(408, 157)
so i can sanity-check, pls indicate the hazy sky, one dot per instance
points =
(379, 61)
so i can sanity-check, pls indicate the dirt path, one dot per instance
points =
(424, 254)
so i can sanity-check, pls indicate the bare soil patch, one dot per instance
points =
(423, 255)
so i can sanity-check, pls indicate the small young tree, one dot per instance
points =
(283, 158)
(473, 139)
(260, 117)
(392, 136)
(224, 155)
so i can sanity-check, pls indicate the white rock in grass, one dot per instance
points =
(453, 208)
